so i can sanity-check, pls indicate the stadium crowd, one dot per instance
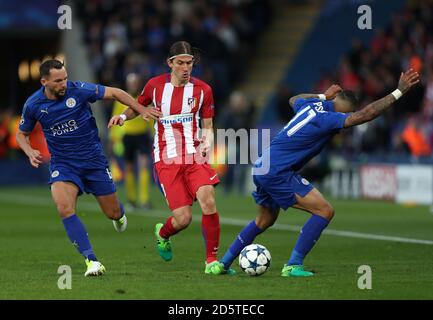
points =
(371, 72)
(133, 37)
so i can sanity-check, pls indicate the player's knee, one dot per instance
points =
(209, 205)
(65, 210)
(327, 211)
(184, 220)
(265, 222)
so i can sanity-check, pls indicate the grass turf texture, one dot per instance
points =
(34, 244)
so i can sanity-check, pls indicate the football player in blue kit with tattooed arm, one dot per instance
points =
(278, 186)
(78, 163)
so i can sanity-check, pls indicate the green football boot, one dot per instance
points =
(94, 268)
(295, 271)
(216, 268)
(121, 224)
(163, 245)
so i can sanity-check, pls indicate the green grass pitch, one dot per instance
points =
(34, 244)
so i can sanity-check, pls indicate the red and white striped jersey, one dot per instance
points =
(176, 132)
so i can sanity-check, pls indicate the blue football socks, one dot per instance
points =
(310, 233)
(78, 236)
(244, 238)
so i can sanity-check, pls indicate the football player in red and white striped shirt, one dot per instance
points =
(180, 153)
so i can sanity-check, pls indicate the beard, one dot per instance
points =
(59, 93)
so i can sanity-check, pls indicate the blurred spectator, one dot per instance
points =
(37, 140)
(348, 79)
(239, 115)
(428, 98)
(12, 142)
(133, 142)
(285, 112)
(416, 140)
(5, 118)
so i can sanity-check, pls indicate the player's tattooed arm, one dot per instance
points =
(371, 111)
(374, 109)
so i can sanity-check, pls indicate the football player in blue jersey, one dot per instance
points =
(278, 186)
(78, 163)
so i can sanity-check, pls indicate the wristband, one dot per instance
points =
(322, 96)
(123, 116)
(397, 94)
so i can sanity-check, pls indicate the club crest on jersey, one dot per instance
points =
(55, 174)
(192, 102)
(70, 103)
(22, 121)
(305, 181)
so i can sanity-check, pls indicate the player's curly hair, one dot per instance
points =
(350, 97)
(183, 47)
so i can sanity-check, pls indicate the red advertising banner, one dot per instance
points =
(379, 182)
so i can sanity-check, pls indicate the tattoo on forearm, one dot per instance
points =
(370, 112)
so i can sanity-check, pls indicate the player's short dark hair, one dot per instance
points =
(46, 66)
(350, 97)
(183, 47)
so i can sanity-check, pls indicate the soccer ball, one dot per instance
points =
(255, 259)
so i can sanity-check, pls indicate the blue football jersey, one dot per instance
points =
(68, 123)
(314, 123)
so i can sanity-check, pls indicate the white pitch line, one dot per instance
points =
(339, 233)
(155, 213)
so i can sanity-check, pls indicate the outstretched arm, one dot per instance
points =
(126, 99)
(329, 94)
(374, 109)
(119, 120)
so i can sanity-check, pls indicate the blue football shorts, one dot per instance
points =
(279, 192)
(97, 181)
